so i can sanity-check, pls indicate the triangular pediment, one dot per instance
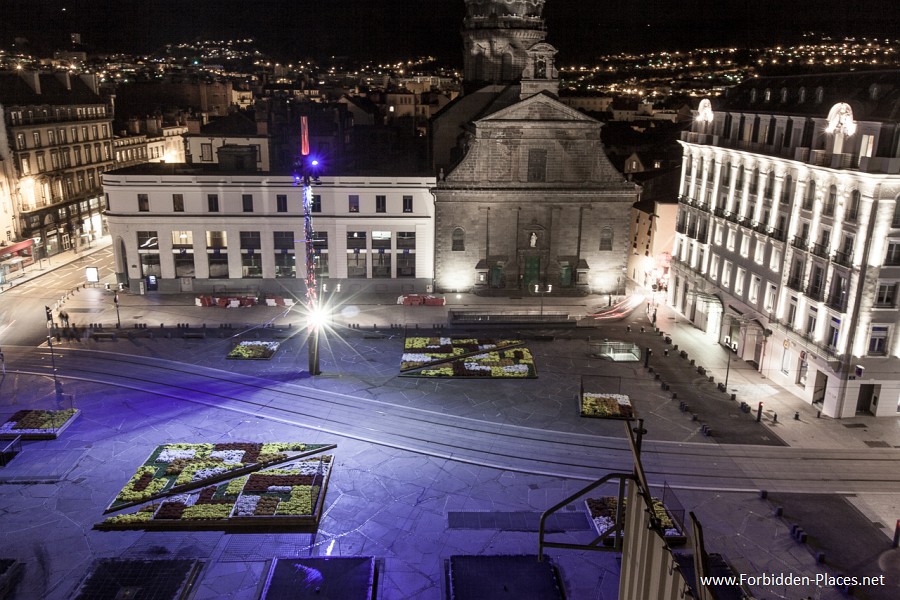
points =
(540, 107)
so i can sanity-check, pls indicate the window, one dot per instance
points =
(41, 163)
(206, 152)
(20, 141)
(810, 197)
(459, 240)
(770, 297)
(407, 204)
(147, 240)
(182, 239)
(811, 321)
(834, 332)
(830, 201)
(792, 312)
(250, 240)
(537, 165)
(714, 267)
(353, 203)
(51, 137)
(878, 340)
(77, 150)
(281, 203)
(753, 294)
(36, 135)
(730, 243)
(739, 281)
(177, 202)
(356, 254)
(284, 240)
(853, 206)
(726, 274)
(380, 204)
(820, 95)
(25, 165)
(212, 202)
(786, 361)
(406, 254)
(143, 203)
(247, 202)
(893, 253)
(745, 245)
(606, 239)
(886, 296)
(381, 254)
(316, 203)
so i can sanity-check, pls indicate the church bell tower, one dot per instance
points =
(496, 37)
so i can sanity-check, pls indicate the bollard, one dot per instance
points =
(763, 494)
(779, 511)
(693, 416)
(820, 557)
(774, 417)
(674, 395)
(818, 414)
(666, 352)
(733, 396)
(797, 416)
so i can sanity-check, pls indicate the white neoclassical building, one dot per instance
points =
(178, 227)
(787, 242)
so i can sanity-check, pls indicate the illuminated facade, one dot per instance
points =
(788, 235)
(59, 137)
(201, 229)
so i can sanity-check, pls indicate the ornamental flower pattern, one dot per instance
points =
(287, 493)
(466, 357)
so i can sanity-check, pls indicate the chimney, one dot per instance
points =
(90, 80)
(63, 77)
(193, 125)
(134, 125)
(33, 79)
(152, 125)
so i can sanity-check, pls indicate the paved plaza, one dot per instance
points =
(390, 497)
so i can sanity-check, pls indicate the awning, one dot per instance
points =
(17, 247)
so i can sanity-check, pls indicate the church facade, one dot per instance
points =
(531, 200)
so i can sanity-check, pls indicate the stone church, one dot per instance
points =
(526, 195)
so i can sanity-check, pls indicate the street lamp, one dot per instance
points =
(538, 290)
(56, 383)
(118, 319)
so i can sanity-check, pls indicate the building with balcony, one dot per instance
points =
(59, 139)
(787, 244)
(209, 228)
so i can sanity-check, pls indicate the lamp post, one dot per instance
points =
(538, 290)
(56, 383)
(118, 319)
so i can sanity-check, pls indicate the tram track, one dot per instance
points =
(474, 441)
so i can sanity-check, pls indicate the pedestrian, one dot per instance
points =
(64, 317)
(654, 317)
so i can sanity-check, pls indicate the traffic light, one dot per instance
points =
(49, 313)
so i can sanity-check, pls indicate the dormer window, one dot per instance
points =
(753, 95)
(768, 95)
(874, 91)
(801, 97)
(820, 95)
(784, 95)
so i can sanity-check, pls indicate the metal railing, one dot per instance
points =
(800, 243)
(821, 250)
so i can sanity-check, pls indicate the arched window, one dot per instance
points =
(830, 201)
(820, 95)
(768, 95)
(787, 190)
(784, 95)
(459, 240)
(801, 96)
(606, 239)
(753, 95)
(853, 206)
(810, 195)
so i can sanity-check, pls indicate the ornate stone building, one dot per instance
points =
(787, 244)
(529, 197)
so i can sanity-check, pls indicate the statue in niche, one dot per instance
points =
(533, 240)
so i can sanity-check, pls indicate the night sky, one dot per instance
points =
(394, 29)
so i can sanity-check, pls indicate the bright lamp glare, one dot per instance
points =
(316, 318)
(315, 163)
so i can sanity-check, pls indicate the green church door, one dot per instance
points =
(496, 276)
(532, 274)
(565, 276)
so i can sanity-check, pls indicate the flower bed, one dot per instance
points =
(603, 515)
(180, 467)
(38, 424)
(467, 357)
(253, 351)
(606, 406)
(291, 495)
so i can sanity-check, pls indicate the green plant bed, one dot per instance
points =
(289, 497)
(468, 358)
(606, 406)
(253, 351)
(181, 467)
(37, 424)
